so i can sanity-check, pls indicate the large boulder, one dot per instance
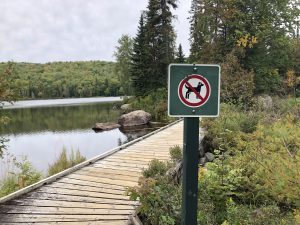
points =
(135, 118)
(105, 126)
(265, 101)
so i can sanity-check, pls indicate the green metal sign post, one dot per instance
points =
(193, 91)
(190, 171)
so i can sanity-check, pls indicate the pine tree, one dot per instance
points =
(180, 58)
(153, 48)
(138, 71)
(160, 37)
(196, 37)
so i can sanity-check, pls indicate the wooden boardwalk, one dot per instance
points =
(92, 192)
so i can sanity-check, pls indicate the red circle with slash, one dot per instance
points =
(194, 90)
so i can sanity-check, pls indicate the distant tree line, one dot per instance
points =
(64, 79)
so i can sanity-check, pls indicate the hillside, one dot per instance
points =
(63, 79)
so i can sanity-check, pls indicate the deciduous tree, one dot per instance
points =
(123, 55)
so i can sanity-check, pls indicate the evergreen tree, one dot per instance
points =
(153, 47)
(180, 58)
(160, 38)
(196, 33)
(139, 57)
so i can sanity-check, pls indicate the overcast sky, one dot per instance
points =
(72, 30)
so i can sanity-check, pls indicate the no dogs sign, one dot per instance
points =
(194, 90)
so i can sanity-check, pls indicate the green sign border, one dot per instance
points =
(212, 72)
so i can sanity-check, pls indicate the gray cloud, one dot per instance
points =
(67, 30)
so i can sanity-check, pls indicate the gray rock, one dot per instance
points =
(105, 126)
(265, 101)
(209, 156)
(135, 118)
(125, 107)
(203, 161)
(201, 150)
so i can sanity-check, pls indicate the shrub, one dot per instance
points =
(225, 132)
(237, 83)
(263, 147)
(155, 103)
(64, 162)
(156, 168)
(253, 180)
(176, 153)
(22, 174)
(160, 198)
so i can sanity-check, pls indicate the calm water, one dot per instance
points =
(40, 133)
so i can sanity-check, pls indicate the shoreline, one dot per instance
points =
(59, 102)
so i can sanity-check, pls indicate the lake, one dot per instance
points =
(41, 129)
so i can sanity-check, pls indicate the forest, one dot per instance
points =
(63, 79)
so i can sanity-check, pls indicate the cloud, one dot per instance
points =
(68, 30)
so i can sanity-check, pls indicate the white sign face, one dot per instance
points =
(194, 90)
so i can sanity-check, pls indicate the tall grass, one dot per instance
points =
(65, 161)
(17, 175)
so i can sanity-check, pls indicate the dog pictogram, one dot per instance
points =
(189, 90)
(194, 90)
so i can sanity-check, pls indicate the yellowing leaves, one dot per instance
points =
(247, 41)
(291, 79)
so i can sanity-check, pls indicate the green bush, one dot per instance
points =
(64, 161)
(268, 81)
(160, 198)
(237, 83)
(264, 149)
(156, 168)
(155, 103)
(253, 180)
(8, 185)
(176, 153)
(21, 175)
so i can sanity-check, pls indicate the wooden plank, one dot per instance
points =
(12, 209)
(68, 204)
(90, 183)
(127, 161)
(112, 171)
(146, 154)
(134, 158)
(80, 193)
(114, 167)
(134, 166)
(71, 198)
(103, 180)
(149, 149)
(112, 222)
(115, 176)
(146, 157)
(33, 218)
(83, 188)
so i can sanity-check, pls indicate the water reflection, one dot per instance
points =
(59, 118)
(44, 147)
(138, 131)
(41, 133)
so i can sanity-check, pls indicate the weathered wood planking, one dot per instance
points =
(94, 191)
